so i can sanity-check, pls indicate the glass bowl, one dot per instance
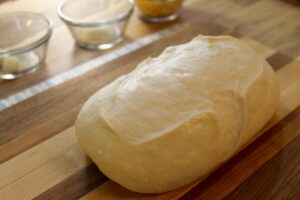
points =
(158, 10)
(23, 43)
(96, 24)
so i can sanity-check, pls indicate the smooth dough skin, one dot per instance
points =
(176, 117)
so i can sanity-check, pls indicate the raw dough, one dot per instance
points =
(179, 115)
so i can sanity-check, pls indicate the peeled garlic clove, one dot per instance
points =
(28, 61)
(10, 64)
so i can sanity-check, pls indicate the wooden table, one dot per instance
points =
(39, 154)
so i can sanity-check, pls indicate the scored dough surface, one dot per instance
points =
(177, 116)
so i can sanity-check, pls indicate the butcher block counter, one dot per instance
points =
(40, 157)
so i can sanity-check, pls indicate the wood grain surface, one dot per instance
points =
(40, 157)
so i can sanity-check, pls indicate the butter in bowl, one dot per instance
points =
(96, 24)
(158, 10)
(23, 43)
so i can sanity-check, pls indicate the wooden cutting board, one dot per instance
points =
(39, 154)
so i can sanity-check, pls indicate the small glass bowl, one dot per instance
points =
(96, 24)
(158, 10)
(23, 43)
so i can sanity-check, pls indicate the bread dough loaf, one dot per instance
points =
(177, 116)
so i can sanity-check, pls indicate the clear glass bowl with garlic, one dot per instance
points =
(96, 24)
(23, 43)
